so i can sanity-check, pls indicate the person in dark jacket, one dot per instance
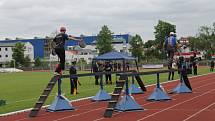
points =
(59, 50)
(73, 79)
(212, 65)
(108, 68)
(183, 71)
(195, 64)
(96, 69)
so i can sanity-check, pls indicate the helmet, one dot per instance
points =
(171, 33)
(62, 29)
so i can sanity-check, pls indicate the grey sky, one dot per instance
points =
(29, 18)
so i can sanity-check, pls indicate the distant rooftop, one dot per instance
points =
(7, 44)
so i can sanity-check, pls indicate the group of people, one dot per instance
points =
(108, 66)
(184, 66)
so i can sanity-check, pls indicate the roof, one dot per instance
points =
(7, 44)
(114, 56)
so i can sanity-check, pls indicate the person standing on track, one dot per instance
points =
(212, 66)
(171, 74)
(59, 50)
(195, 67)
(183, 72)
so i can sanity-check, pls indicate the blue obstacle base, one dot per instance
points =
(133, 89)
(127, 103)
(60, 103)
(181, 87)
(159, 93)
(102, 95)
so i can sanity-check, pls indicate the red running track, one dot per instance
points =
(196, 106)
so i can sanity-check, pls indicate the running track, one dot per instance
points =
(196, 106)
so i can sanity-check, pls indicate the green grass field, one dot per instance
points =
(21, 90)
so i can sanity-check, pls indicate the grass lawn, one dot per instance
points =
(22, 90)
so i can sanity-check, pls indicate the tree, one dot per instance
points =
(104, 40)
(18, 54)
(194, 43)
(150, 50)
(136, 47)
(162, 30)
(37, 62)
(27, 61)
(206, 38)
(149, 44)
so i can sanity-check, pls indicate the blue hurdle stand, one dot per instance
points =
(181, 87)
(159, 93)
(127, 103)
(101, 95)
(60, 103)
(133, 89)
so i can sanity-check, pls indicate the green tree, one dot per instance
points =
(27, 61)
(18, 54)
(162, 30)
(137, 47)
(104, 40)
(194, 43)
(37, 62)
(149, 44)
(206, 38)
(150, 50)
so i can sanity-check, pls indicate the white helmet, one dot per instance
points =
(171, 33)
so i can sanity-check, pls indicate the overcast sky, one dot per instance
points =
(30, 18)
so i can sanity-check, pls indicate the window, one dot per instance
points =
(6, 49)
(6, 56)
(0, 49)
(0, 56)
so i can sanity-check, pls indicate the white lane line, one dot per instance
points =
(175, 105)
(195, 114)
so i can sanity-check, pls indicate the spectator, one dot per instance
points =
(212, 66)
(96, 69)
(108, 68)
(73, 79)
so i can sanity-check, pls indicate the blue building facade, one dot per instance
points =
(41, 44)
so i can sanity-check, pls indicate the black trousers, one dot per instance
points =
(212, 69)
(96, 79)
(108, 77)
(73, 84)
(171, 74)
(195, 70)
(61, 55)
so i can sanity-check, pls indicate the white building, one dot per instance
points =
(76, 54)
(119, 44)
(29, 50)
(6, 51)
